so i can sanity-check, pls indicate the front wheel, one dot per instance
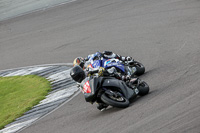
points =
(140, 69)
(115, 100)
(143, 88)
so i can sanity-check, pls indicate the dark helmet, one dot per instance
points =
(78, 61)
(77, 74)
(109, 54)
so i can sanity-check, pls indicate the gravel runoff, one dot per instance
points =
(63, 89)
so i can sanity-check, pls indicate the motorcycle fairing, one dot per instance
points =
(86, 87)
(114, 63)
(108, 64)
(93, 83)
(118, 85)
(96, 64)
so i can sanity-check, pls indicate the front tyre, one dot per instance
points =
(143, 88)
(115, 101)
(140, 69)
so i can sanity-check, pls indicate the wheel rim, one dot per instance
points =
(143, 84)
(115, 100)
(116, 97)
(138, 65)
(119, 99)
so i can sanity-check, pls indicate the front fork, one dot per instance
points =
(131, 70)
(134, 83)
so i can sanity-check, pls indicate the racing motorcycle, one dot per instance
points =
(124, 67)
(111, 91)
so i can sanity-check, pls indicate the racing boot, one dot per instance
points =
(101, 106)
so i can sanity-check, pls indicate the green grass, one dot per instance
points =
(19, 94)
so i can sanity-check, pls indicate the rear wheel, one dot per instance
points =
(143, 88)
(115, 100)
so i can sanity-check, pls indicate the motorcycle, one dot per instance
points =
(126, 67)
(111, 91)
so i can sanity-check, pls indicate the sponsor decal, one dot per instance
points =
(86, 87)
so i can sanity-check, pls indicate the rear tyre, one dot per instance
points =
(119, 101)
(143, 88)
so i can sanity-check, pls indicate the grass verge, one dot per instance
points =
(19, 94)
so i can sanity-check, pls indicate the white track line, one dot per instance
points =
(64, 93)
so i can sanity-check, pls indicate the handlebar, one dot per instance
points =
(93, 72)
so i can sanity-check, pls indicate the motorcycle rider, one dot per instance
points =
(106, 55)
(78, 74)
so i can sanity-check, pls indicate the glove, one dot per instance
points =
(128, 58)
(101, 71)
(118, 76)
(126, 77)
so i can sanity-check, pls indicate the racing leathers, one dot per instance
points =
(104, 55)
(107, 55)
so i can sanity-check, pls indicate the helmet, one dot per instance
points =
(109, 54)
(77, 74)
(78, 61)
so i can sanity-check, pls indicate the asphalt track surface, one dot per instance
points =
(162, 34)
